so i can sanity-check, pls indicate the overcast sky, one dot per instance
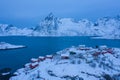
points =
(30, 12)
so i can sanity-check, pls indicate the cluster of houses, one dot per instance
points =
(35, 61)
(67, 53)
(103, 50)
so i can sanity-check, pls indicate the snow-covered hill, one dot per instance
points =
(75, 63)
(106, 27)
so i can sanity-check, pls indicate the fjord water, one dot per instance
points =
(41, 46)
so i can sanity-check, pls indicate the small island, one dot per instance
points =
(7, 46)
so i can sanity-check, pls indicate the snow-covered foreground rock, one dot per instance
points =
(6, 46)
(107, 27)
(75, 63)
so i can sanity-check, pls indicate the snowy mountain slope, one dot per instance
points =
(10, 30)
(106, 27)
(69, 27)
(75, 63)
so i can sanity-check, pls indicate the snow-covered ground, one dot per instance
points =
(75, 63)
(107, 27)
(6, 46)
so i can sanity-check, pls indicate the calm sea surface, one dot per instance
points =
(41, 46)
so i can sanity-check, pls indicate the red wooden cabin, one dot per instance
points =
(33, 60)
(34, 65)
(41, 58)
(64, 56)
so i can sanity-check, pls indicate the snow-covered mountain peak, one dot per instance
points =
(3, 26)
(48, 26)
(50, 17)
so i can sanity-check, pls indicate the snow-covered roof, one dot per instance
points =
(34, 64)
(49, 55)
(34, 59)
(41, 57)
(65, 55)
(72, 49)
(103, 47)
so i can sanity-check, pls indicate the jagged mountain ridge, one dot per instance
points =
(53, 26)
(48, 26)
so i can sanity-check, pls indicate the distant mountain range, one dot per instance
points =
(106, 27)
